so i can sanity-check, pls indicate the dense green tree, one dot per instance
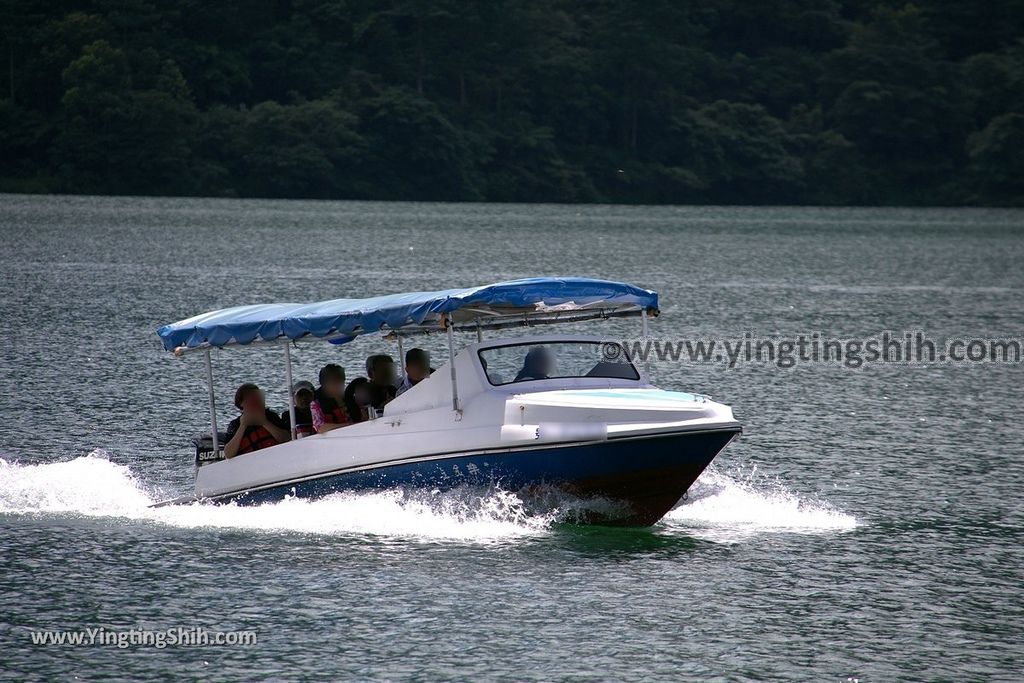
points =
(128, 127)
(417, 152)
(897, 102)
(739, 149)
(307, 149)
(796, 101)
(997, 158)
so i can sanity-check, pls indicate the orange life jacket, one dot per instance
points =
(255, 438)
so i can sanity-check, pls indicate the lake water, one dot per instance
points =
(868, 524)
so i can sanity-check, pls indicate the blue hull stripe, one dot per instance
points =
(646, 473)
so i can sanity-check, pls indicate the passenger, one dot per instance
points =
(302, 394)
(357, 399)
(417, 369)
(328, 407)
(538, 364)
(256, 427)
(380, 369)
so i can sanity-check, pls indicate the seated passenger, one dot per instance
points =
(256, 427)
(328, 407)
(380, 369)
(417, 369)
(357, 399)
(302, 394)
(538, 364)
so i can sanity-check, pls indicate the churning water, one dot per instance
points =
(718, 507)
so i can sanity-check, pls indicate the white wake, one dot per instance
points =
(719, 507)
(723, 506)
(93, 486)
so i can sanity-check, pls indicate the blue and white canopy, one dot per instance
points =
(504, 304)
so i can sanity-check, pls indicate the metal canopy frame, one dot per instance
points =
(440, 326)
(445, 324)
(517, 320)
(475, 325)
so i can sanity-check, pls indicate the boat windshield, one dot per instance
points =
(556, 360)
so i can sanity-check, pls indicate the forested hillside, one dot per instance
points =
(667, 101)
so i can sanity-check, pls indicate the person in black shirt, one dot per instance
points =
(302, 393)
(257, 427)
(380, 369)
(538, 364)
(328, 405)
(357, 399)
(417, 369)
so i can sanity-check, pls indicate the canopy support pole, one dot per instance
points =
(213, 403)
(401, 359)
(451, 362)
(646, 334)
(291, 394)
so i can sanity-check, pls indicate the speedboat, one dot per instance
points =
(587, 424)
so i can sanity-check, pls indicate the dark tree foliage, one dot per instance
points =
(662, 101)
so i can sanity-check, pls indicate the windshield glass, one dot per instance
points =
(554, 360)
